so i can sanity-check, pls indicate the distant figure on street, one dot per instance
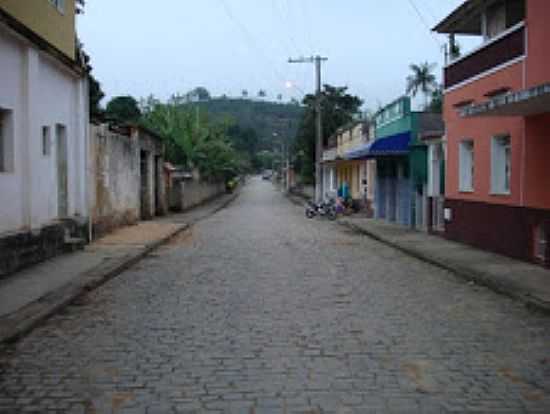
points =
(343, 191)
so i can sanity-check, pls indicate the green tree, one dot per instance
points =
(455, 50)
(96, 94)
(123, 109)
(436, 102)
(262, 93)
(200, 93)
(191, 139)
(338, 108)
(80, 6)
(421, 80)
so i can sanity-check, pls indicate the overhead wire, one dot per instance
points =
(425, 23)
(307, 19)
(251, 42)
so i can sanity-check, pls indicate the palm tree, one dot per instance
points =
(245, 93)
(421, 80)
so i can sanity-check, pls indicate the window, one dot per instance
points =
(46, 141)
(435, 166)
(466, 160)
(59, 5)
(500, 165)
(332, 180)
(6, 141)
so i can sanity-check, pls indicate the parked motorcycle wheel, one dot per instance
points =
(331, 214)
(310, 214)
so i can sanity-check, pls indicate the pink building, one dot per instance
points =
(497, 116)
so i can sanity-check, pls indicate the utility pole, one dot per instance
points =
(318, 60)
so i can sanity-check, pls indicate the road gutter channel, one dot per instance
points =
(470, 275)
(23, 321)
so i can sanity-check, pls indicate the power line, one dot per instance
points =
(424, 22)
(251, 42)
(307, 19)
(287, 45)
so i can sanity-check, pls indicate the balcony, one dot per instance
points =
(506, 48)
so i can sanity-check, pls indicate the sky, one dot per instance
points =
(165, 47)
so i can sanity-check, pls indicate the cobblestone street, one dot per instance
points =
(260, 310)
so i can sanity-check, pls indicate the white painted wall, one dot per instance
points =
(11, 62)
(40, 92)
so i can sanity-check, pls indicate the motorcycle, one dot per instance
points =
(324, 209)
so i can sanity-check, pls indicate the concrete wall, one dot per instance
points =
(115, 176)
(153, 197)
(45, 20)
(119, 195)
(37, 91)
(194, 192)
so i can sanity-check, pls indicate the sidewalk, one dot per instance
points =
(32, 295)
(523, 281)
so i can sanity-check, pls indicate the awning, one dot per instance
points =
(522, 103)
(393, 145)
(358, 152)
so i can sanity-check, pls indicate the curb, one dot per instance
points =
(469, 275)
(33, 314)
(29, 317)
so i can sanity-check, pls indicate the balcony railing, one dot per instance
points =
(506, 47)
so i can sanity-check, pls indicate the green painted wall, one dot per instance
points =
(400, 111)
(396, 127)
(408, 121)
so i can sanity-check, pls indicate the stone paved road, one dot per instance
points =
(259, 310)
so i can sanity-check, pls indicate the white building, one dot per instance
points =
(43, 135)
(43, 122)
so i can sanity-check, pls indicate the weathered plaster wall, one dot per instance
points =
(115, 187)
(194, 192)
(154, 198)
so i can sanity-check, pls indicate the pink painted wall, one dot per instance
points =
(537, 165)
(538, 32)
(481, 130)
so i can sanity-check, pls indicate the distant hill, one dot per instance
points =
(262, 116)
